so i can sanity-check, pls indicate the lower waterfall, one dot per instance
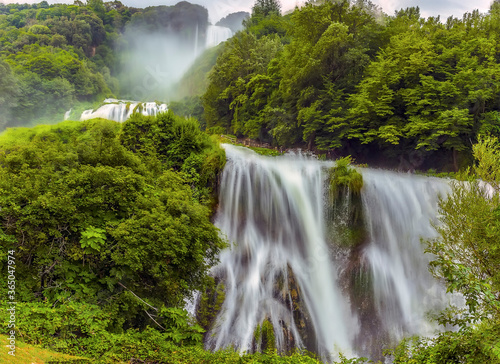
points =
(285, 267)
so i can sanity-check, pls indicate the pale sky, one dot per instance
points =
(220, 8)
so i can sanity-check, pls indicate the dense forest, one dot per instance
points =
(110, 223)
(343, 77)
(57, 57)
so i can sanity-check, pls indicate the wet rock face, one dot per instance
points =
(357, 283)
(210, 304)
(288, 292)
(348, 237)
(294, 299)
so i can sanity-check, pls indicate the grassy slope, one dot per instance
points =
(26, 353)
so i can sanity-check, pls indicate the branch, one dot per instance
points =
(151, 317)
(139, 298)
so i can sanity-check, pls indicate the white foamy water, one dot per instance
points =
(216, 35)
(272, 211)
(399, 209)
(121, 110)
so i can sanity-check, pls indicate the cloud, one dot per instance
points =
(216, 8)
(444, 8)
(220, 8)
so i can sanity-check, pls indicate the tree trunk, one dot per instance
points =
(455, 164)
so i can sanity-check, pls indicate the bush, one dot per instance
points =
(97, 224)
(344, 176)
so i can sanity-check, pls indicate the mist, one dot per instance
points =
(159, 44)
(153, 62)
(140, 55)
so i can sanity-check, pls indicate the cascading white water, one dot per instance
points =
(216, 35)
(272, 211)
(196, 42)
(121, 110)
(399, 209)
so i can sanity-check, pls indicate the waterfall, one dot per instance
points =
(196, 42)
(217, 35)
(399, 211)
(283, 267)
(121, 110)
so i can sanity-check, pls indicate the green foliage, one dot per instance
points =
(198, 355)
(347, 75)
(60, 55)
(238, 84)
(210, 304)
(180, 18)
(93, 238)
(479, 345)
(266, 7)
(80, 329)
(345, 176)
(58, 327)
(97, 224)
(181, 330)
(487, 152)
(179, 143)
(466, 256)
(468, 250)
(264, 337)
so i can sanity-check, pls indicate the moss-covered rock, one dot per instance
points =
(345, 212)
(344, 176)
(294, 299)
(265, 340)
(210, 304)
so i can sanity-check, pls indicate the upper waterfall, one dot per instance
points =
(285, 268)
(216, 35)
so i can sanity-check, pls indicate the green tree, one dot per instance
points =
(238, 76)
(263, 8)
(468, 249)
(466, 257)
(9, 92)
(97, 6)
(97, 223)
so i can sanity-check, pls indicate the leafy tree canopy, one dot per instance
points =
(95, 216)
(466, 257)
(352, 80)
